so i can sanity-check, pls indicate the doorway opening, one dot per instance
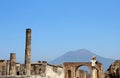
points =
(83, 72)
(69, 73)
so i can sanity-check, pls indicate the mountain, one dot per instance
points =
(82, 55)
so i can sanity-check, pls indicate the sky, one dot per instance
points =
(59, 26)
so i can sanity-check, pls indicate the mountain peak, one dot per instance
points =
(81, 55)
(84, 51)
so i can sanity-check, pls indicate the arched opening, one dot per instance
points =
(83, 72)
(69, 73)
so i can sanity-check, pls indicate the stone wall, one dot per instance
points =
(54, 72)
(2, 67)
(114, 70)
(38, 70)
(81, 74)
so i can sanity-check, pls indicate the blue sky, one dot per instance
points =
(59, 26)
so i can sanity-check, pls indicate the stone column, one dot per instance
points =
(12, 64)
(8, 67)
(73, 72)
(4, 68)
(118, 72)
(28, 52)
(85, 74)
(94, 73)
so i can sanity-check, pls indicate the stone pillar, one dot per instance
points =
(4, 68)
(94, 73)
(7, 67)
(28, 52)
(84, 74)
(118, 73)
(73, 72)
(12, 64)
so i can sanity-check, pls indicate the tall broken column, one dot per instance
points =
(28, 52)
(12, 70)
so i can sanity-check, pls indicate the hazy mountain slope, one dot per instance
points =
(81, 55)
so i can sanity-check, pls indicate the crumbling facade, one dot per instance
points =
(114, 70)
(2, 67)
(71, 69)
(41, 69)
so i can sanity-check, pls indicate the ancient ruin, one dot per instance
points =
(71, 69)
(12, 70)
(114, 70)
(28, 52)
(41, 69)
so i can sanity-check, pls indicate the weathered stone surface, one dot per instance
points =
(2, 67)
(70, 69)
(81, 74)
(8, 67)
(12, 64)
(114, 70)
(28, 52)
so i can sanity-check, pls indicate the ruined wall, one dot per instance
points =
(114, 70)
(38, 69)
(2, 67)
(81, 74)
(54, 72)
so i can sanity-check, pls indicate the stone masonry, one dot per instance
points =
(28, 52)
(12, 64)
(114, 70)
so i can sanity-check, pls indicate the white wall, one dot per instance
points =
(51, 74)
